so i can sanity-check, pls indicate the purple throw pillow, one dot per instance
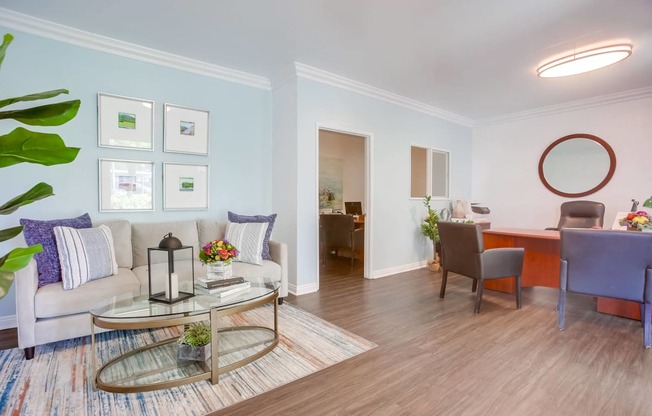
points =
(241, 219)
(42, 232)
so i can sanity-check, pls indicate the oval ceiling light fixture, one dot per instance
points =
(586, 61)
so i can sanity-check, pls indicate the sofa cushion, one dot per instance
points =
(183, 268)
(269, 219)
(144, 236)
(85, 254)
(210, 230)
(248, 239)
(52, 300)
(40, 232)
(269, 270)
(121, 232)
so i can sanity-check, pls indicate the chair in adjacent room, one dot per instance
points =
(606, 263)
(463, 253)
(338, 231)
(580, 214)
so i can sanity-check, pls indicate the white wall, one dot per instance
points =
(506, 157)
(395, 218)
(350, 149)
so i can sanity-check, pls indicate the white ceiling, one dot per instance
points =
(475, 58)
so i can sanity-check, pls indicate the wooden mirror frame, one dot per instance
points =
(604, 144)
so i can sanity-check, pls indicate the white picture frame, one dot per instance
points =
(186, 130)
(126, 185)
(125, 122)
(185, 186)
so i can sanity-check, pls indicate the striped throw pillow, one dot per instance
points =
(248, 239)
(85, 254)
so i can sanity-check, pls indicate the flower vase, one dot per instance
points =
(219, 270)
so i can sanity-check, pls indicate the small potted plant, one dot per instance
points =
(195, 343)
(636, 221)
(430, 230)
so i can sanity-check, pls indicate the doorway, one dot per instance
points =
(343, 175)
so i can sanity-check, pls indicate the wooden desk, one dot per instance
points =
(541, 265)
(541, 262)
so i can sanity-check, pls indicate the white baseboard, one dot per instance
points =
(397, 269)
(303, 289)
(7, 322)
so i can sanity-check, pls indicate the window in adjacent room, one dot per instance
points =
(430, 173)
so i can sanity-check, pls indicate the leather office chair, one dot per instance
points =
(613, 264)
(338, 231)
(463, 253)
(580, 214)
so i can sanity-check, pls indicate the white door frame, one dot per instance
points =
(368, 229)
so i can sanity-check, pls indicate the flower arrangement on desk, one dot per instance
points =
(218, 251)
(637, 221)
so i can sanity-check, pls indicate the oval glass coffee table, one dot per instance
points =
(155, 366)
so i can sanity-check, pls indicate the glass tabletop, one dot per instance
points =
(128, 306)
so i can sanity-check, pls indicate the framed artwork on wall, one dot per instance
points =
(185, 186)
(125, 122)
(126, 185)
(186, 130)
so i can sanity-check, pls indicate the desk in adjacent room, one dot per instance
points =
(541, 265)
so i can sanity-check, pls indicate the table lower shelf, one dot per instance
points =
(156, 366)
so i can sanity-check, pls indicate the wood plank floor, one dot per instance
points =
(436, 358)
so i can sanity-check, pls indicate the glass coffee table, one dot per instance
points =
(155, 366)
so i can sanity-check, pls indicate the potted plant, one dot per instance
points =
(26, 146)
(430, 230)
(195, 343)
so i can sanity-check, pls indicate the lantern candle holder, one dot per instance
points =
(179, 284)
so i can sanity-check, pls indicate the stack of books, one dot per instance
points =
(222, 287)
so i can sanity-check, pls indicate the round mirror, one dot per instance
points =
(577, 165)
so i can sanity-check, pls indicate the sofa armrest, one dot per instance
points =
(26, 281)
(279, 253)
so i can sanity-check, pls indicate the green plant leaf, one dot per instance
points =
(5, 44)
(32, 97)
(45, 115)
(18, 258)
(5, 283)
(25, 146)
(39, 191)
(9, 233)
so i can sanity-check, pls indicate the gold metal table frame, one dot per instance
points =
(211, 371)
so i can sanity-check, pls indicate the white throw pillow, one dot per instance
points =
(85, 254)
(248, 239)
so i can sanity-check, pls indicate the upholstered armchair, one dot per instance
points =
(580, 214)
(613, 264)
(463, 253)
(338, 231)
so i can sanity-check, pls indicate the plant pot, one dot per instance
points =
(434, 265)
(219, 270)
(189, 352)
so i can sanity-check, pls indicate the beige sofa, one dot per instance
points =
(50, 314)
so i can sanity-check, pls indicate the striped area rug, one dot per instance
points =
(58, 381)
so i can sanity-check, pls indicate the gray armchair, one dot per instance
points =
(463, 252)
(580, 214)
(338, 231)
(613, 264)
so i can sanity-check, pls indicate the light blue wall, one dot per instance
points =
(240, 134)
(397, 241)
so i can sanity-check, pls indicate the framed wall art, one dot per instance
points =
(185, 186)
(126, 185)
(125, 122)
(186, 130)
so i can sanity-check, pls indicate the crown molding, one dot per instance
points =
(598, 101)
(324, 77)
(66, 34)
